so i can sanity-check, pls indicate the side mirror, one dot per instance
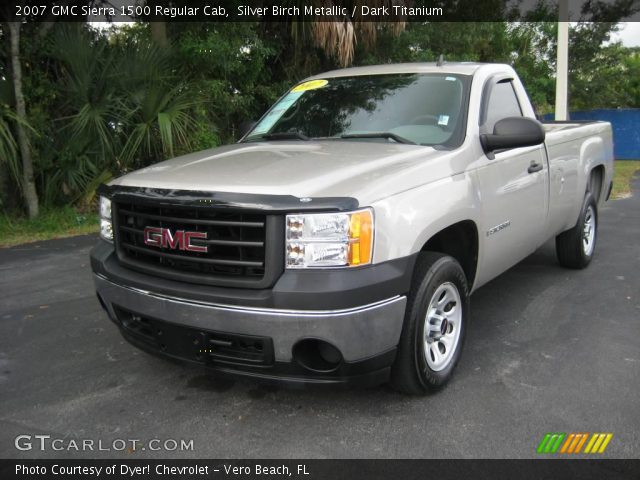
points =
(245, 127)
(513, 132)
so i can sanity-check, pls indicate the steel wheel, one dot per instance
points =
(589, 231)
(442, 326)
(435, 323)
(576, 247)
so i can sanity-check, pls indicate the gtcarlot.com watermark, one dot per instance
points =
(45, 443)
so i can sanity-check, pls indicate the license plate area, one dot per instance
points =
(204, 346)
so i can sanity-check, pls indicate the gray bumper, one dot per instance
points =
(360, 333)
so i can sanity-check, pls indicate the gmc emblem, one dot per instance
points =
(180, 240)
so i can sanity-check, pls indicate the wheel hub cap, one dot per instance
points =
(442, 326)
(589, 231)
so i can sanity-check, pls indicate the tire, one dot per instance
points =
(439, 286)
(576, 247)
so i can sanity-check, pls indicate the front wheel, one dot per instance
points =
(434, 327)
(575, 247)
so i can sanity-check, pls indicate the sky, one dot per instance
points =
(629, 34)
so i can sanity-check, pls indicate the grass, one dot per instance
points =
(52, 223)
(67, 222)
(624, 171)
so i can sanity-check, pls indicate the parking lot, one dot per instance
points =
(548, 350)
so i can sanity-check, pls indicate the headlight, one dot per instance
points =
(329, 239)
(106, 227)
(105, 208)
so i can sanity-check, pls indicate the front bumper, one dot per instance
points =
(197, 330)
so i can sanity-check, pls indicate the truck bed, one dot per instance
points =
(561, 132)
(554, 126)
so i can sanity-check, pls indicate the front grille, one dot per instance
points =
(204, 346)
(236, 242)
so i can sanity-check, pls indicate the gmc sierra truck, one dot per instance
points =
(340, 239)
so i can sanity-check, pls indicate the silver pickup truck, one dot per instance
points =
(340, 239)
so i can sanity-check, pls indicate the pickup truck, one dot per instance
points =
(340, 239)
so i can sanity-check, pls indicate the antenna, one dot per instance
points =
(440, 61)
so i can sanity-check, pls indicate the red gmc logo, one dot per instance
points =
(180, 240)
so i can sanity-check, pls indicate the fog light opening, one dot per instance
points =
(317, 355)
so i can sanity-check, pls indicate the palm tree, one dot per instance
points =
(159, 120)
(122, 106)
(338, 36)
(28, 183)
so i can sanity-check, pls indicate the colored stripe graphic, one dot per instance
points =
(572, 443)
(581, 443)
(543, 443)
(557, 443)
(605, 443)
(550, 443)
(598, 443)
(567, 443)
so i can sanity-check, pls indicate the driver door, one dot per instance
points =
(513, 184)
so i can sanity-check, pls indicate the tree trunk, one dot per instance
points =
(28, 183)
(159, 33)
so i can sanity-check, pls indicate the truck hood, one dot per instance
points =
(364, 170)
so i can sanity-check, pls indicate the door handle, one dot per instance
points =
(535, 167)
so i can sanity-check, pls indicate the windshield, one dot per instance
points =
(425, 109)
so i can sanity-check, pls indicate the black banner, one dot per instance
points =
(315, 10)
(319, 469)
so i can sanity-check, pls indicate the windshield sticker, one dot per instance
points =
(274, 115)
(443, 120)
(450, 79)
(310, 85)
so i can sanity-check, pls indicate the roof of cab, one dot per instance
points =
(461, 68)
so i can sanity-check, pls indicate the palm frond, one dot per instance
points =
(9, 153)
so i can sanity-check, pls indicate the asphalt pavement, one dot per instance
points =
(548, 350)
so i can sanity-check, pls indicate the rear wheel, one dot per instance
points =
(575, 247)
(434, 326)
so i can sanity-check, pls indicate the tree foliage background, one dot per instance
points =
(100, 102)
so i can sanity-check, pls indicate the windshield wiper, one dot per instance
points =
(392, 136)
(285, 136)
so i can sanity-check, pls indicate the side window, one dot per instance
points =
(502, 103)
